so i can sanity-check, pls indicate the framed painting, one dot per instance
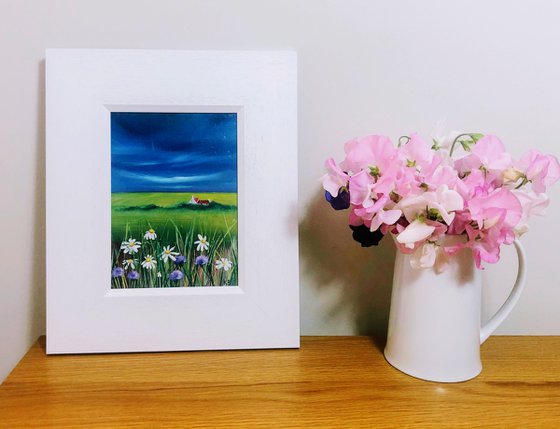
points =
(168, 227)
(174, 199)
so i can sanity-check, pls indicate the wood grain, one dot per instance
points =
(331, 382)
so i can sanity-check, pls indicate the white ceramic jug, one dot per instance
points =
(435, 330)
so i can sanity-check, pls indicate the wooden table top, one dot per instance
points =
(331, 382)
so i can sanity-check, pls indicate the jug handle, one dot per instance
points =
(490, 326)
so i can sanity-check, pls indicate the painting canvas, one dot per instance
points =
(173, 200)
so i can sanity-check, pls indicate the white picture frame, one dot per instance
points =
(84, 315)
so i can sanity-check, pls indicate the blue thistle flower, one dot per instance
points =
(201, 260)
(176, 275)
(133, 275)
(180, 260)
(117, 272)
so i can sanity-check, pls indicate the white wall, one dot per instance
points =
(364, 67)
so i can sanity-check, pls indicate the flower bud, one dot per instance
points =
(511, 175)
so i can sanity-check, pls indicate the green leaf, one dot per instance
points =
(374, 171)
(434, 214)
(466, 145)
(476, 136)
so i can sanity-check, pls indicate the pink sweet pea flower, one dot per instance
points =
(360, 186)
(475, 184)
(335, 178)
(385, 217)
(442, 138)
(405, 182)
(478, 183)
(413, 206)
(441, 175)
(492, 153)
(499, 206)
(485, 245)
(541, 170)
(371, 151)
(353, 218)
(496, 215)
(416, 153)
(443, 199)
(368, 212)
(461, 220)
(488, 153)
(424, 256)
(405, 249)
(416, 231)
(485, 250)
(386, 182)
(532, 204)
(379, 213)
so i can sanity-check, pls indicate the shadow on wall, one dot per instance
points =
(37, 297)
(332, 258)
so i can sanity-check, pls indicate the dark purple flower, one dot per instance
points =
(117, 272)
(133, 275)
(341, 201)
(180, 260)
(176, 275)
(365, 237)
(201, 260)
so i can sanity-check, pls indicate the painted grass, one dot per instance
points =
(207, 219)
(178, 226)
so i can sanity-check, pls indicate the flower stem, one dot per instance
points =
(523, 183)
(400, 143)
(456, 140)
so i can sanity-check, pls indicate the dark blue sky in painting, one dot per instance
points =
(173, 152)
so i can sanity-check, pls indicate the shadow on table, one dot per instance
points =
(42, 341)
(332, 258)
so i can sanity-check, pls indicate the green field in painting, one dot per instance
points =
(134, 213)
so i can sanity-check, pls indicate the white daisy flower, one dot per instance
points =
(202, 243)
(130, 263)
(224, 263)
(158, 274)
(150, 234)
(130, 246)
(168, 253)
(149, 262)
